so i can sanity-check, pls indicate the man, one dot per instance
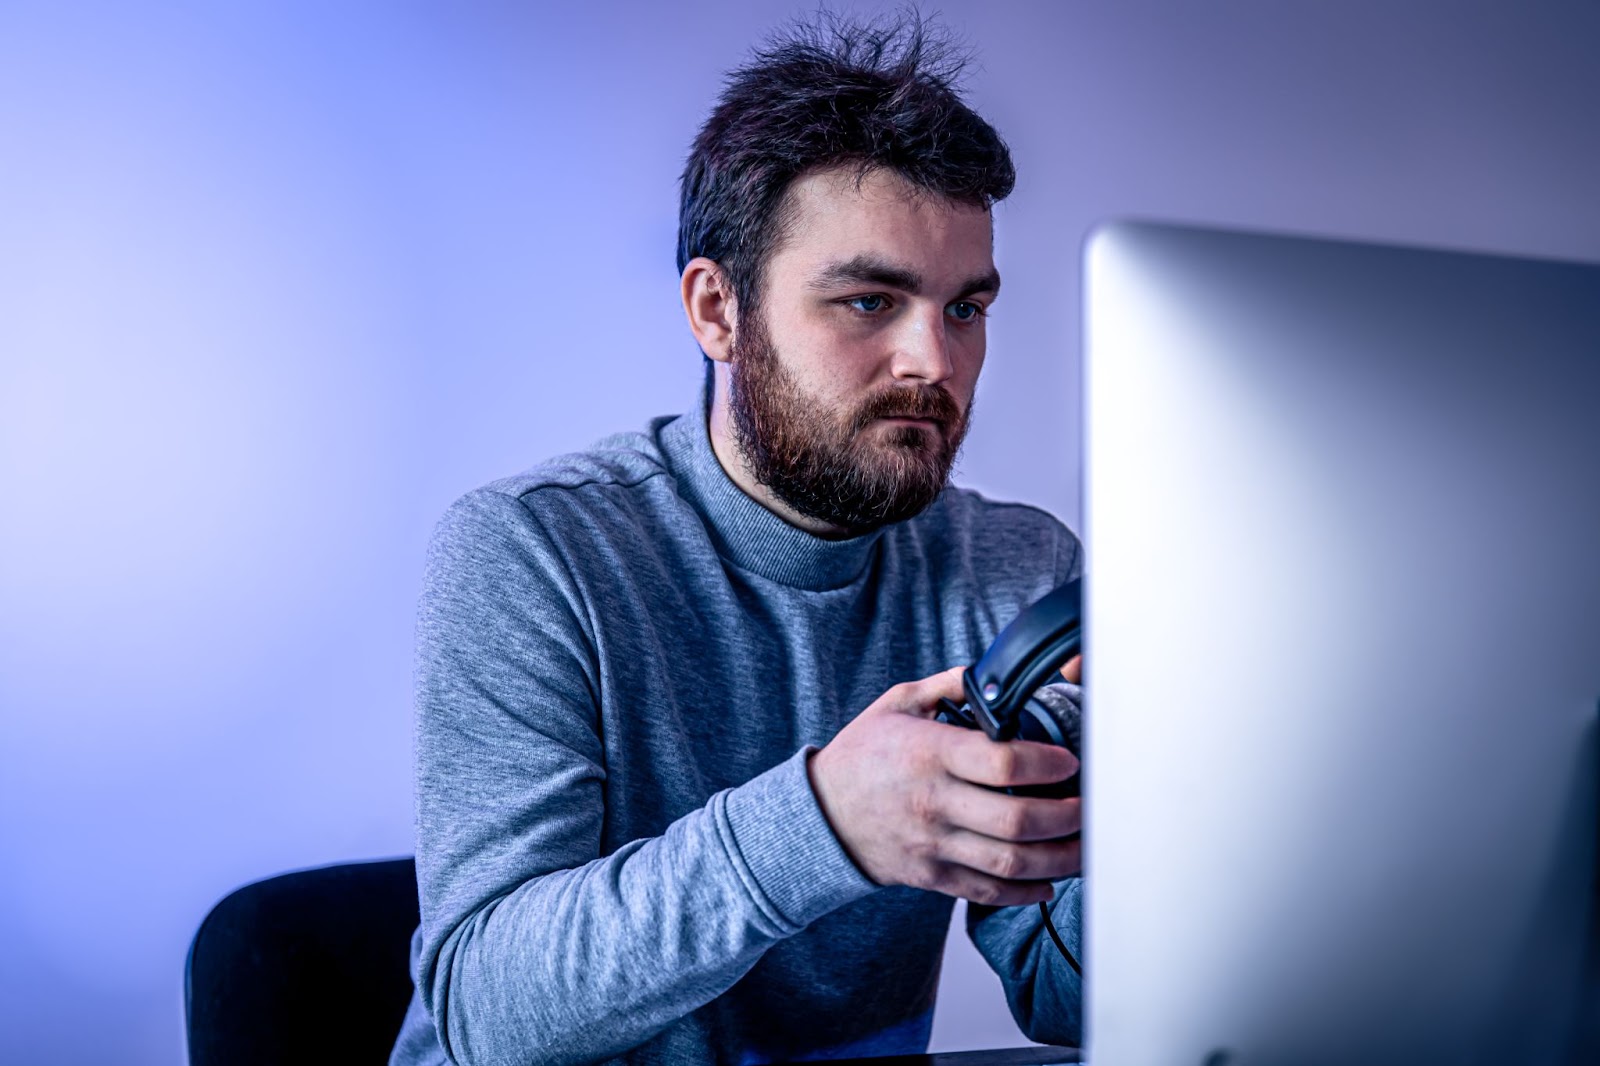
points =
(681, 796)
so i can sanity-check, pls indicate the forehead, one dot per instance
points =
(836, 215)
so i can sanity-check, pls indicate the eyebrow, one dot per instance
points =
(870, 270)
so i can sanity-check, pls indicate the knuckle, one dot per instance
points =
(1003, 761)
(986, 892)
(924, 873)
(926, 761)
(1009, 864)
(1014, 821)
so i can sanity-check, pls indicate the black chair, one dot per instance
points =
(304, 968)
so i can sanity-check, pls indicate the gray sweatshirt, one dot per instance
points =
(623, 661)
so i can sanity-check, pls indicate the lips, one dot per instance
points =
(907, 421)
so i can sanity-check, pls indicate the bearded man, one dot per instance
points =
(681, 795)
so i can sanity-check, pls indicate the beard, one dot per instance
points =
(833, 466)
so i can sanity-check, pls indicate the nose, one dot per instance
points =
(922, 348)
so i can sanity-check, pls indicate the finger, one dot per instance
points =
(971, 756)
(1072, 670)
(922, 697)
(965, 883)
(1046, 860)
(1013, 818)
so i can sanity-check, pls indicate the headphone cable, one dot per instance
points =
(1051, 927)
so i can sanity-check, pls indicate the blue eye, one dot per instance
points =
(869, 304)
(965, 310)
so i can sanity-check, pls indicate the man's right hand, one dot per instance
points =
(906, 796)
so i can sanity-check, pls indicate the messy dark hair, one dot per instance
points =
(823, 94)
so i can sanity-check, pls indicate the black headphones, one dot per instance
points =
(1027, 653)
(1000, 691)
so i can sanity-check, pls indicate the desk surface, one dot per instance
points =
(1011, 1056)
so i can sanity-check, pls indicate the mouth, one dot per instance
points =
(906, 429)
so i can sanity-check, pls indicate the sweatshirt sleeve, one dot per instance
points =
(535, 947)
(1043, 992)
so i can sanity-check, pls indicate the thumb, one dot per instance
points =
(922, 697)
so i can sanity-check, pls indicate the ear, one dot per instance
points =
(708, 303)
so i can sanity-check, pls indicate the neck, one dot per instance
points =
(735, 464)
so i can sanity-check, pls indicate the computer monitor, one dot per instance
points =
(1342, 513)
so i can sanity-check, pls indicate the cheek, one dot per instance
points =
(838, 364)
(968, 354)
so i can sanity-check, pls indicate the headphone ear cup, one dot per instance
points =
(1038, 724)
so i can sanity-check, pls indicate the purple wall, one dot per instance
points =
(278, 283)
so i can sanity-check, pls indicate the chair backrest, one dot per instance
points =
(306, 967)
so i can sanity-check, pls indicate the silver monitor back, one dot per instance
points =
(1342, 511)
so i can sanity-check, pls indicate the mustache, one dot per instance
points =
(930, 402)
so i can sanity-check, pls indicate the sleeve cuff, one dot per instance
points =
(795, 865)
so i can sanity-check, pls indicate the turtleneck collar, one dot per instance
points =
(744, 532)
